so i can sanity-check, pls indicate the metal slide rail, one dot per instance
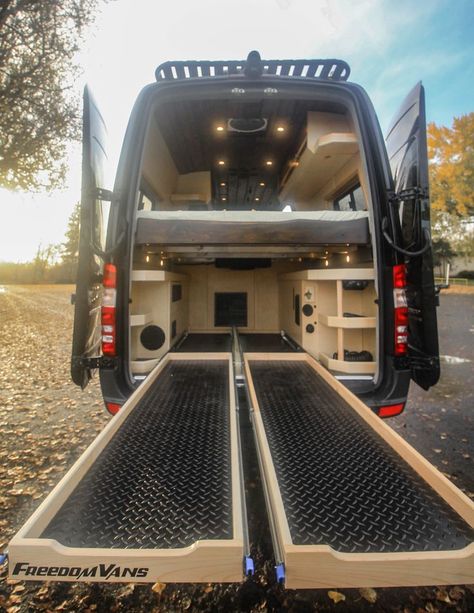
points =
(158, 494)
(352, 503)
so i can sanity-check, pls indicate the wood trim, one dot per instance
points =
(348, 323)
(344, 365)
(321, 567)
(206, 560)
(157, 275)
(318, 566)
(330, 274)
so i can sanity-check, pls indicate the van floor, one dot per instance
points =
(222, 342)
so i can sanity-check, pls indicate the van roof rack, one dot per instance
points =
(254, 66)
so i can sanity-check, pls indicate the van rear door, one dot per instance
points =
(93, 217)
(407, 151)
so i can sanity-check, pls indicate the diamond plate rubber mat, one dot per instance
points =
(201, 342)
(341, 484)
(273, 343)
(164, 479)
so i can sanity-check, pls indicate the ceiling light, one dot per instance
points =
(257, 199)
(220, 128)
(280, 129)
(269, 163)
(223, 184)
(262, 184)
(223, 198)
(221, 162)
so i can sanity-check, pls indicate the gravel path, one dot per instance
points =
(46, 422)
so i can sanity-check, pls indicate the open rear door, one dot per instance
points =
(407, 151)
(94, 216)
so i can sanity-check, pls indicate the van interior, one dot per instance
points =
(254, 215)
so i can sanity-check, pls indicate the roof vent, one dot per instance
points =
(247, 125)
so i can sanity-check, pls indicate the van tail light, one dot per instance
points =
(113, 407)
(109, 300)
(400, 310)
(391, 410)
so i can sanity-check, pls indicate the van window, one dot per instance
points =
(351, 200)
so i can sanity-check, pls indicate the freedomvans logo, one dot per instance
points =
(101, 571)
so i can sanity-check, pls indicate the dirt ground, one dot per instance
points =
(46, 422)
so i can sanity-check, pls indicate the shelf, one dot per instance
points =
(143, 367)
(333, 321)
(331, 274)
(156, 275)
(348, 367)
(141, 320)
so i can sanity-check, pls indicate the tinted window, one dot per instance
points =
(352, 200)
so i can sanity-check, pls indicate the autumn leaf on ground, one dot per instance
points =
(369, 594)
(336, 596)
(158, 587)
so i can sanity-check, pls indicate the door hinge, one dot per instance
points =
(103, 194)
(96, 362)
(417, 362)
(411, 193)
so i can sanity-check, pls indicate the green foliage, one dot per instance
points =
(38, 111)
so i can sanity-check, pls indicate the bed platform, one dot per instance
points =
(252, 227)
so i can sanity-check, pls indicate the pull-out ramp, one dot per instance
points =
(157, 496)
(351, 504)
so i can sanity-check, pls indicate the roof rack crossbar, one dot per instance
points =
(326, 70)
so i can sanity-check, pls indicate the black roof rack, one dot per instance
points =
(332, 70)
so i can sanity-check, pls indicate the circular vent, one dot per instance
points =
(247, 126)
(152, 338)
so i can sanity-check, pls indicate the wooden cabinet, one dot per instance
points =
(337, 316)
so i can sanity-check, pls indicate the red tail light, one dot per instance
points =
(113, 407)
(391, 409)
(109, 298)
(400, 310)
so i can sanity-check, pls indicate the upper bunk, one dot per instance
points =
(252, 227)
(285, 172)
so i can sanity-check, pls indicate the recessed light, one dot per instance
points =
(220, 128)
(223, 184)
(221, 162)
(257, 199)
(269, 163)
(262, 184)
(223, 198)
(280, 129)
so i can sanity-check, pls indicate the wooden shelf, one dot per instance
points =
(333, 321)
(331, 274)
(140, 320)
(360, 368)
(156, 275)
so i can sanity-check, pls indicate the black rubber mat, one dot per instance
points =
(271, 343)
(164, 480)
(341, 484)
(197, 343)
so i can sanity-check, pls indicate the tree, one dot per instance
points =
(38, 111)
(451, 153)
(70, 247)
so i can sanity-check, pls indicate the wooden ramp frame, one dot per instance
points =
(320, 565)
(34, 557)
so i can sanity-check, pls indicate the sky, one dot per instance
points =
(390, 45)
